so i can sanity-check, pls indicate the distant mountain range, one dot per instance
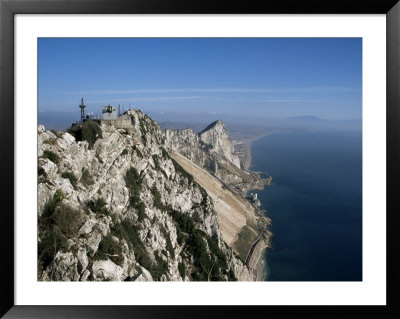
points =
(310, 118)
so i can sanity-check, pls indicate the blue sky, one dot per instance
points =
(261, 77)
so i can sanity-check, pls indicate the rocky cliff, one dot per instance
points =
(216, 135)
(114, 205)
(213, 150)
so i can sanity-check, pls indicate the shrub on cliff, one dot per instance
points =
(57, 224)
(131, 234)
(209, 261)
(72, 179)
(182, 270)
(134, 183)
(88, 131)
(51, 156)
(98, 206)
(133, 180)
(109, 249)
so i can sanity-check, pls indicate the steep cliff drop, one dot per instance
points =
(122, 204)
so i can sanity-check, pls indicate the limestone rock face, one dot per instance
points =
(123, 209)
(64, 267)
(213, 150)
(210, 146)
(217, 136)
(106, 270)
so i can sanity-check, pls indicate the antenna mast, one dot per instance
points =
(82, 106)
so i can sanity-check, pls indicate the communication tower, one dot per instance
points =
(82, 106)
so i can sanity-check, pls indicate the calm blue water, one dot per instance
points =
(315, 202)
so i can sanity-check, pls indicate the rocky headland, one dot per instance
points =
(141, 204)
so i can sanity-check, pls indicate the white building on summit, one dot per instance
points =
(109, 113)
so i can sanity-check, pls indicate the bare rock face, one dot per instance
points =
(210, 146)
(213, 150)
(64, 267)
(122, 208)
(106, 270)
(217, 136)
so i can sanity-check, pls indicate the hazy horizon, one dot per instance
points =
(200, 78)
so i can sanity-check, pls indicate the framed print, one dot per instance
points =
(199, 160)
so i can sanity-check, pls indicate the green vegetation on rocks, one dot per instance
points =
(51, 156)
(130, 233)
(209, 261)
(73, 180)
(98, 206)
(182, 269)
(134, 183)
(109, 249)
(56, 225)
(88, 131)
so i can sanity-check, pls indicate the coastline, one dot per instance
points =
(247, 148)
(255, 263)
(256, 259)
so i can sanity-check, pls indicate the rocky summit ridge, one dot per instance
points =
(114, 205)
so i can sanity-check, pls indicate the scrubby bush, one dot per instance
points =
(159, 268)
(58, 134)
(72, 179)
(133, 180)
(141, 208)
(50, 243)
(131, 234)
(231, 275)
(184, 221)
(88, 131)
(209, 261)
(51, 156)
(68, 220)
(58, 196)
(98, 206)
(56, 225)
(134, 183)
(109, 249)
(182, 270)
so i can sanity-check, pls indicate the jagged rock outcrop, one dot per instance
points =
(213, 150)
(117, 207)
(216, 135)
(210, 146)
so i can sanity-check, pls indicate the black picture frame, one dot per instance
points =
(9, 8)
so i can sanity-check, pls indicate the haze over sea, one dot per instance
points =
(315, 203)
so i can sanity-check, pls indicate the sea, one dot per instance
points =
(315, 203)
